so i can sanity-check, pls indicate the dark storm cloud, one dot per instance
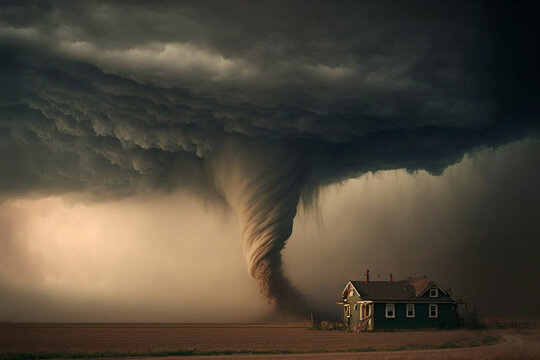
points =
(386, 62)
(110, 99)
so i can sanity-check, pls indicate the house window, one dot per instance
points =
(355, 307)
(347, 310)
(433, 311)
(410, 310)
(434, 292)
(351, 292)
(390, 311)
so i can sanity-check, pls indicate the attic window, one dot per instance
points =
(390, 311)
(434, 292)
(433, 311)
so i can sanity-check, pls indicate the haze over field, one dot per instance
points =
(149, 152)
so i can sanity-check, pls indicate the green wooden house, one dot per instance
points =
(408, 304)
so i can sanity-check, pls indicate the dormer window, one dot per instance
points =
(434, 292)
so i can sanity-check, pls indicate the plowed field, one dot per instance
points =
(113, 340)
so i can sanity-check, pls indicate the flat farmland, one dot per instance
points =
(80, 340)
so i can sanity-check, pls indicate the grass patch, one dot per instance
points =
(486, 340)
(460, 343)
(490, 339)
(447, 345)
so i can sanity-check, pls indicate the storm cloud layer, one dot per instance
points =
(255, 105)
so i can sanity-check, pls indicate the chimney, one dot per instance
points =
(391, 279)
(367, 275)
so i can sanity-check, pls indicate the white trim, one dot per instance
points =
(436, 295)
(441, 289)
(436, 311)
(347, 286)
(357, 292)
(388, 307)
(430, 285)
(364, 307)
(407, 310)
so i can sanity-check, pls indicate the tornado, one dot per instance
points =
(263, 184)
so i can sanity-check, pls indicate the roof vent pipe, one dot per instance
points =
(391, 279)
(367, 275)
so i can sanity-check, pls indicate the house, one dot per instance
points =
(408, 304)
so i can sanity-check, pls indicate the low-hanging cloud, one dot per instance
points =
(255, 111)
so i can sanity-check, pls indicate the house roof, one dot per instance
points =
(420, 284)
(404, 290)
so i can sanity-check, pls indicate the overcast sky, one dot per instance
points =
(153, 154)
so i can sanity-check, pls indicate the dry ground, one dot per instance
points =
(77, 340)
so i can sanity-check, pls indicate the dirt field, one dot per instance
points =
(113, 340)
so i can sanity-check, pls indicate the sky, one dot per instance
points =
(239, 161)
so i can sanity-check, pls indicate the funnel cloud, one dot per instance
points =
(263, 183)
(255, 106)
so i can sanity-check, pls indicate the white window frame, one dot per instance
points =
(436, 307)
(388, 307)
(347, 310)
(434, 292)
(407, 311)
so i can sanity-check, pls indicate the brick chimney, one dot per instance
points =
(367, 275)
(391, 279)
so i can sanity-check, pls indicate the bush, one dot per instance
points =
(330, 325)
(472, 320)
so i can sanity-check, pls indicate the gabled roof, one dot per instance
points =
(420, 284)
(404, 290)
(384, 290)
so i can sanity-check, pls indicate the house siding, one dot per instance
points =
(355, 314)
(421, 319)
